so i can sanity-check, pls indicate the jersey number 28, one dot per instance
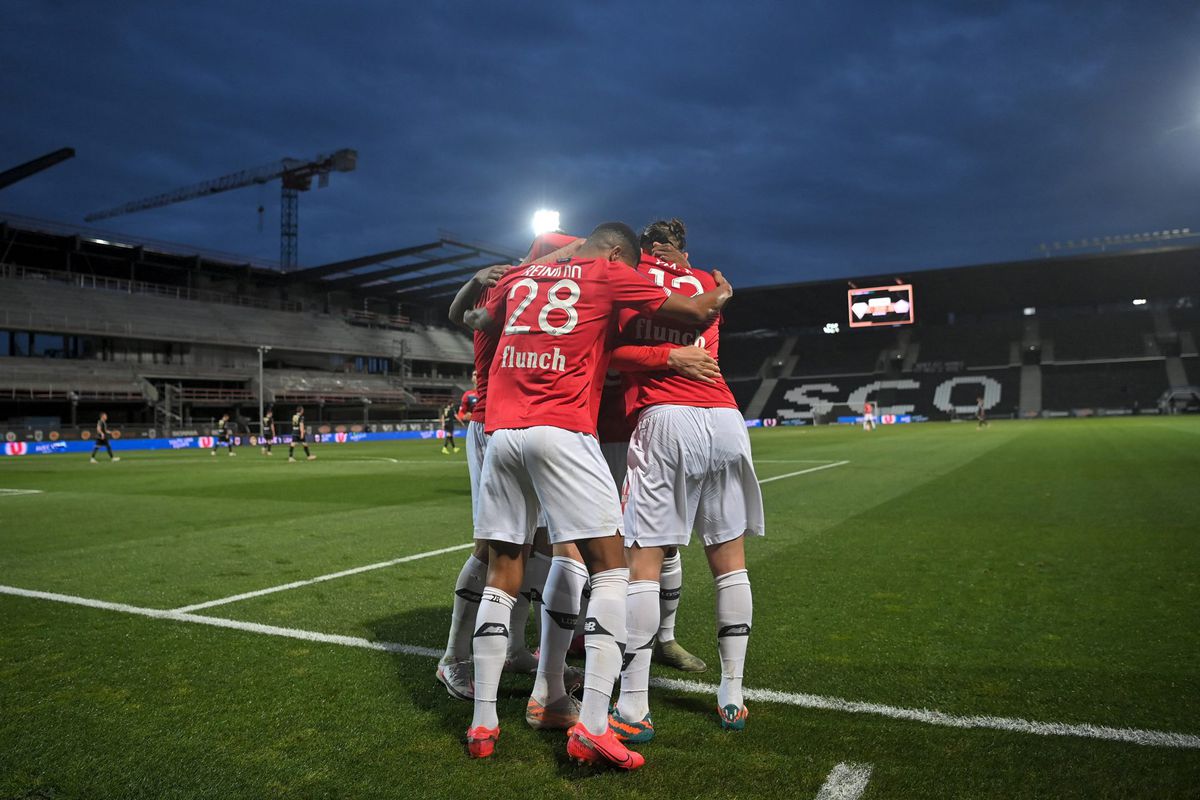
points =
(555, 301)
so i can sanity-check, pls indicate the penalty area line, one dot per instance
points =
(1138, 736)
(18, 492)
(319, 579)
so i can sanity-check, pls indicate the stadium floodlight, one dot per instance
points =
(1030, 311)
(544, 221)
(1139, 301)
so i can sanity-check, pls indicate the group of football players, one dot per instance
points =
(600, 435)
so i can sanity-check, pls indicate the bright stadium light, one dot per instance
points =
(544, 221)
(1140, 301)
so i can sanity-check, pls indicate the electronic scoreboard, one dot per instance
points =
(881, 305)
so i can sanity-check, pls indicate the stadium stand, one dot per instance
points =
(744, 355)
(1129, 385)
(159, 335)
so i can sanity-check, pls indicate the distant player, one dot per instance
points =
(267, 434)
(868, 417)
(102, 439)
(223, 435)
(447, 421)
(299, 436)
(470, 398)
(980, 414)
(544, 383)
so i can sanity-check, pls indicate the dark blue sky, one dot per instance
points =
(798, 140)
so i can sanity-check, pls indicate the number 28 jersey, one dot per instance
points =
(553, 350)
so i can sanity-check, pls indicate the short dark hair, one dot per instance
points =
(608, 234)
(665, 231)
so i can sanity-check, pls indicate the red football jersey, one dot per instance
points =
(547, 243)
(555, 329)
(470, 399)
(485, 348)
(667, 387)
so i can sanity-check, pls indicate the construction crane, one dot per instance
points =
(19, 173)
(295, 176)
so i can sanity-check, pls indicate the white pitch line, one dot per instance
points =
(319, 579)
(794, 460)
(237, 625)
(1186, 741)
(804, 471)
(18, 492)
(1139, 736)
(845, 782)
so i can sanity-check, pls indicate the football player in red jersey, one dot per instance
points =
(690, 468)
(545, 382)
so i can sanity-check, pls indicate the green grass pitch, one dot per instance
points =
(1048, 571)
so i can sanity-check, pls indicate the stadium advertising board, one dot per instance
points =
(880, 305)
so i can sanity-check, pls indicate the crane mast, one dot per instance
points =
(295, 176)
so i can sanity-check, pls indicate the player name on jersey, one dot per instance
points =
(553, 271)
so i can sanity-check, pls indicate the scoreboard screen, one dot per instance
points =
(881, 305)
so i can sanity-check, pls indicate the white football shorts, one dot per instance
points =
(560, 470)
(691, 469)
(476, 447)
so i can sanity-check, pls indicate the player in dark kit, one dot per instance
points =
(447, 418)
(267, 433)
(299, 436)
(102, 439)
(224, 436)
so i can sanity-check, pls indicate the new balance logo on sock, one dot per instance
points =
(669, 594)
(740, 629)
(492, 629)
(470, 595)
(563, 620)
(591, 627)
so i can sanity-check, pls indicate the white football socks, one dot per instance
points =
(670, 584)
(467, 591)
(560, 610)
(735, 609)
(489, 645)
(605, 632)
(641, 626)
(536, 567)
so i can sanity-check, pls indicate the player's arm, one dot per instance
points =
(701, 309)
(468, 296)
(691, 361)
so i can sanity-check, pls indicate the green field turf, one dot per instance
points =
(1043, 570)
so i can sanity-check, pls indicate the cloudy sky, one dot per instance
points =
(798, 140)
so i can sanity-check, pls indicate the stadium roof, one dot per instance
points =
(419, 273)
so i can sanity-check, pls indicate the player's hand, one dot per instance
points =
(670, 254)
(724, 286)
(695, 363)
(490, 276)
